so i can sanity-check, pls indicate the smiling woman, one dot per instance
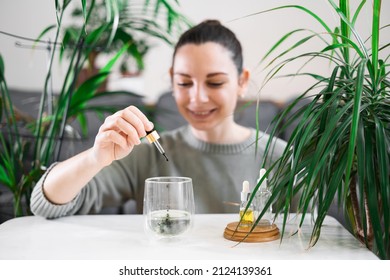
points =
(208, 77)
(206, 88)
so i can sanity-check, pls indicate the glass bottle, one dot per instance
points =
(246, 217)
(262, 196)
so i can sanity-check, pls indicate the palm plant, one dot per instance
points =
(341, 147)
(23, 159)
(136, 22)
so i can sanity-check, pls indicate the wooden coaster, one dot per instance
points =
(259, 234)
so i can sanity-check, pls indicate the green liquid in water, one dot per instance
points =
(169, 222)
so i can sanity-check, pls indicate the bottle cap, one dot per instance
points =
(245, 191)
(261, 175)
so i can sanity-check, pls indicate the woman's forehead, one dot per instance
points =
(208, 57)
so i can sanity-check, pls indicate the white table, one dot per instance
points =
(122, 237)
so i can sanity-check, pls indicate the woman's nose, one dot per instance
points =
(199, 94)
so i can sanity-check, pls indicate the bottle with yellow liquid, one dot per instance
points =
(246, 217)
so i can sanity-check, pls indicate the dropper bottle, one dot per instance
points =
(262, 196)
(153, 137)
(246, 217)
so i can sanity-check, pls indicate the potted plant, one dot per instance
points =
(340, 149)
(29, 145)
(137, 22)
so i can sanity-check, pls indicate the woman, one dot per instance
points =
(217, 153)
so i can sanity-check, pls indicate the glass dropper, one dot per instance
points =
(153, 137)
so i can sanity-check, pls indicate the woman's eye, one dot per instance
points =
(215, 84)
(184, 84)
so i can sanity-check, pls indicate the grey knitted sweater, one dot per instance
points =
(217, 171)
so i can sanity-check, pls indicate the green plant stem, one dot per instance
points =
(10, 116)
(17, 203)
(355, 207)
(38, 130)
(69, 97)
(345, 30)
(375, 37)
(369, 228)
(60, 110)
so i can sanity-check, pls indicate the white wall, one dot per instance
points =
(25, 69)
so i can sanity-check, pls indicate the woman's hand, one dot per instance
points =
(119, 134)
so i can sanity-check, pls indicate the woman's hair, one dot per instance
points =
(213, 31)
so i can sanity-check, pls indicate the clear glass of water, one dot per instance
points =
(168, 206)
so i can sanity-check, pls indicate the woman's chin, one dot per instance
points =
(209, 125)
(203, 126)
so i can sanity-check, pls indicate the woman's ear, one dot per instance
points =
(243, 82)
(171, 75)
(171, 72)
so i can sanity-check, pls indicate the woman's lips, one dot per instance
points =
(201, 114)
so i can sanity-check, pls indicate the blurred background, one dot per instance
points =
(26, 68)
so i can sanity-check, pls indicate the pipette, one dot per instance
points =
(153, 137)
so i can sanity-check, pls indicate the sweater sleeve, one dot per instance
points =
(41, 206)
(111, 187)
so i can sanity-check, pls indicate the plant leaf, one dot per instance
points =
(355, 120)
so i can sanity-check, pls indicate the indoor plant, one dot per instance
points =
(137, 22)
(28, 146)
(341, 146)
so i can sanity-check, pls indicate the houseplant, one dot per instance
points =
(28, 145)
(340, 148)
(137, 22)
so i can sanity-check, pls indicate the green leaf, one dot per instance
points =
(304, 9)
(4, 178)
(46, 30)
(112, 10)
(335, 181)
(110, 64)
(375, 36)
(372, 196)
(348, 43)
(2, 69)
(357, 12)
(382, 148)
(87, 89)
(84, 8)
(355, 120)
(296, 45)
(279, 42)
(82, 119)
(349, 27)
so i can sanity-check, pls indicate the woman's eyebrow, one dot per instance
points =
(182, 74)
(216, 74)
(208, 75)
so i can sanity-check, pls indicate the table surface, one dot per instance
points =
(123, 237)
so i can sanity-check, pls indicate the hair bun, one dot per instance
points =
(212, 22)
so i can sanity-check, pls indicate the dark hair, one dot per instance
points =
(212, 31)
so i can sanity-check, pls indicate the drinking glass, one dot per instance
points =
(168, 206)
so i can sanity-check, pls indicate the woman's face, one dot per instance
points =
(206, 85)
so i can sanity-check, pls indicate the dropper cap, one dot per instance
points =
(245, 191)
(261, 175)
